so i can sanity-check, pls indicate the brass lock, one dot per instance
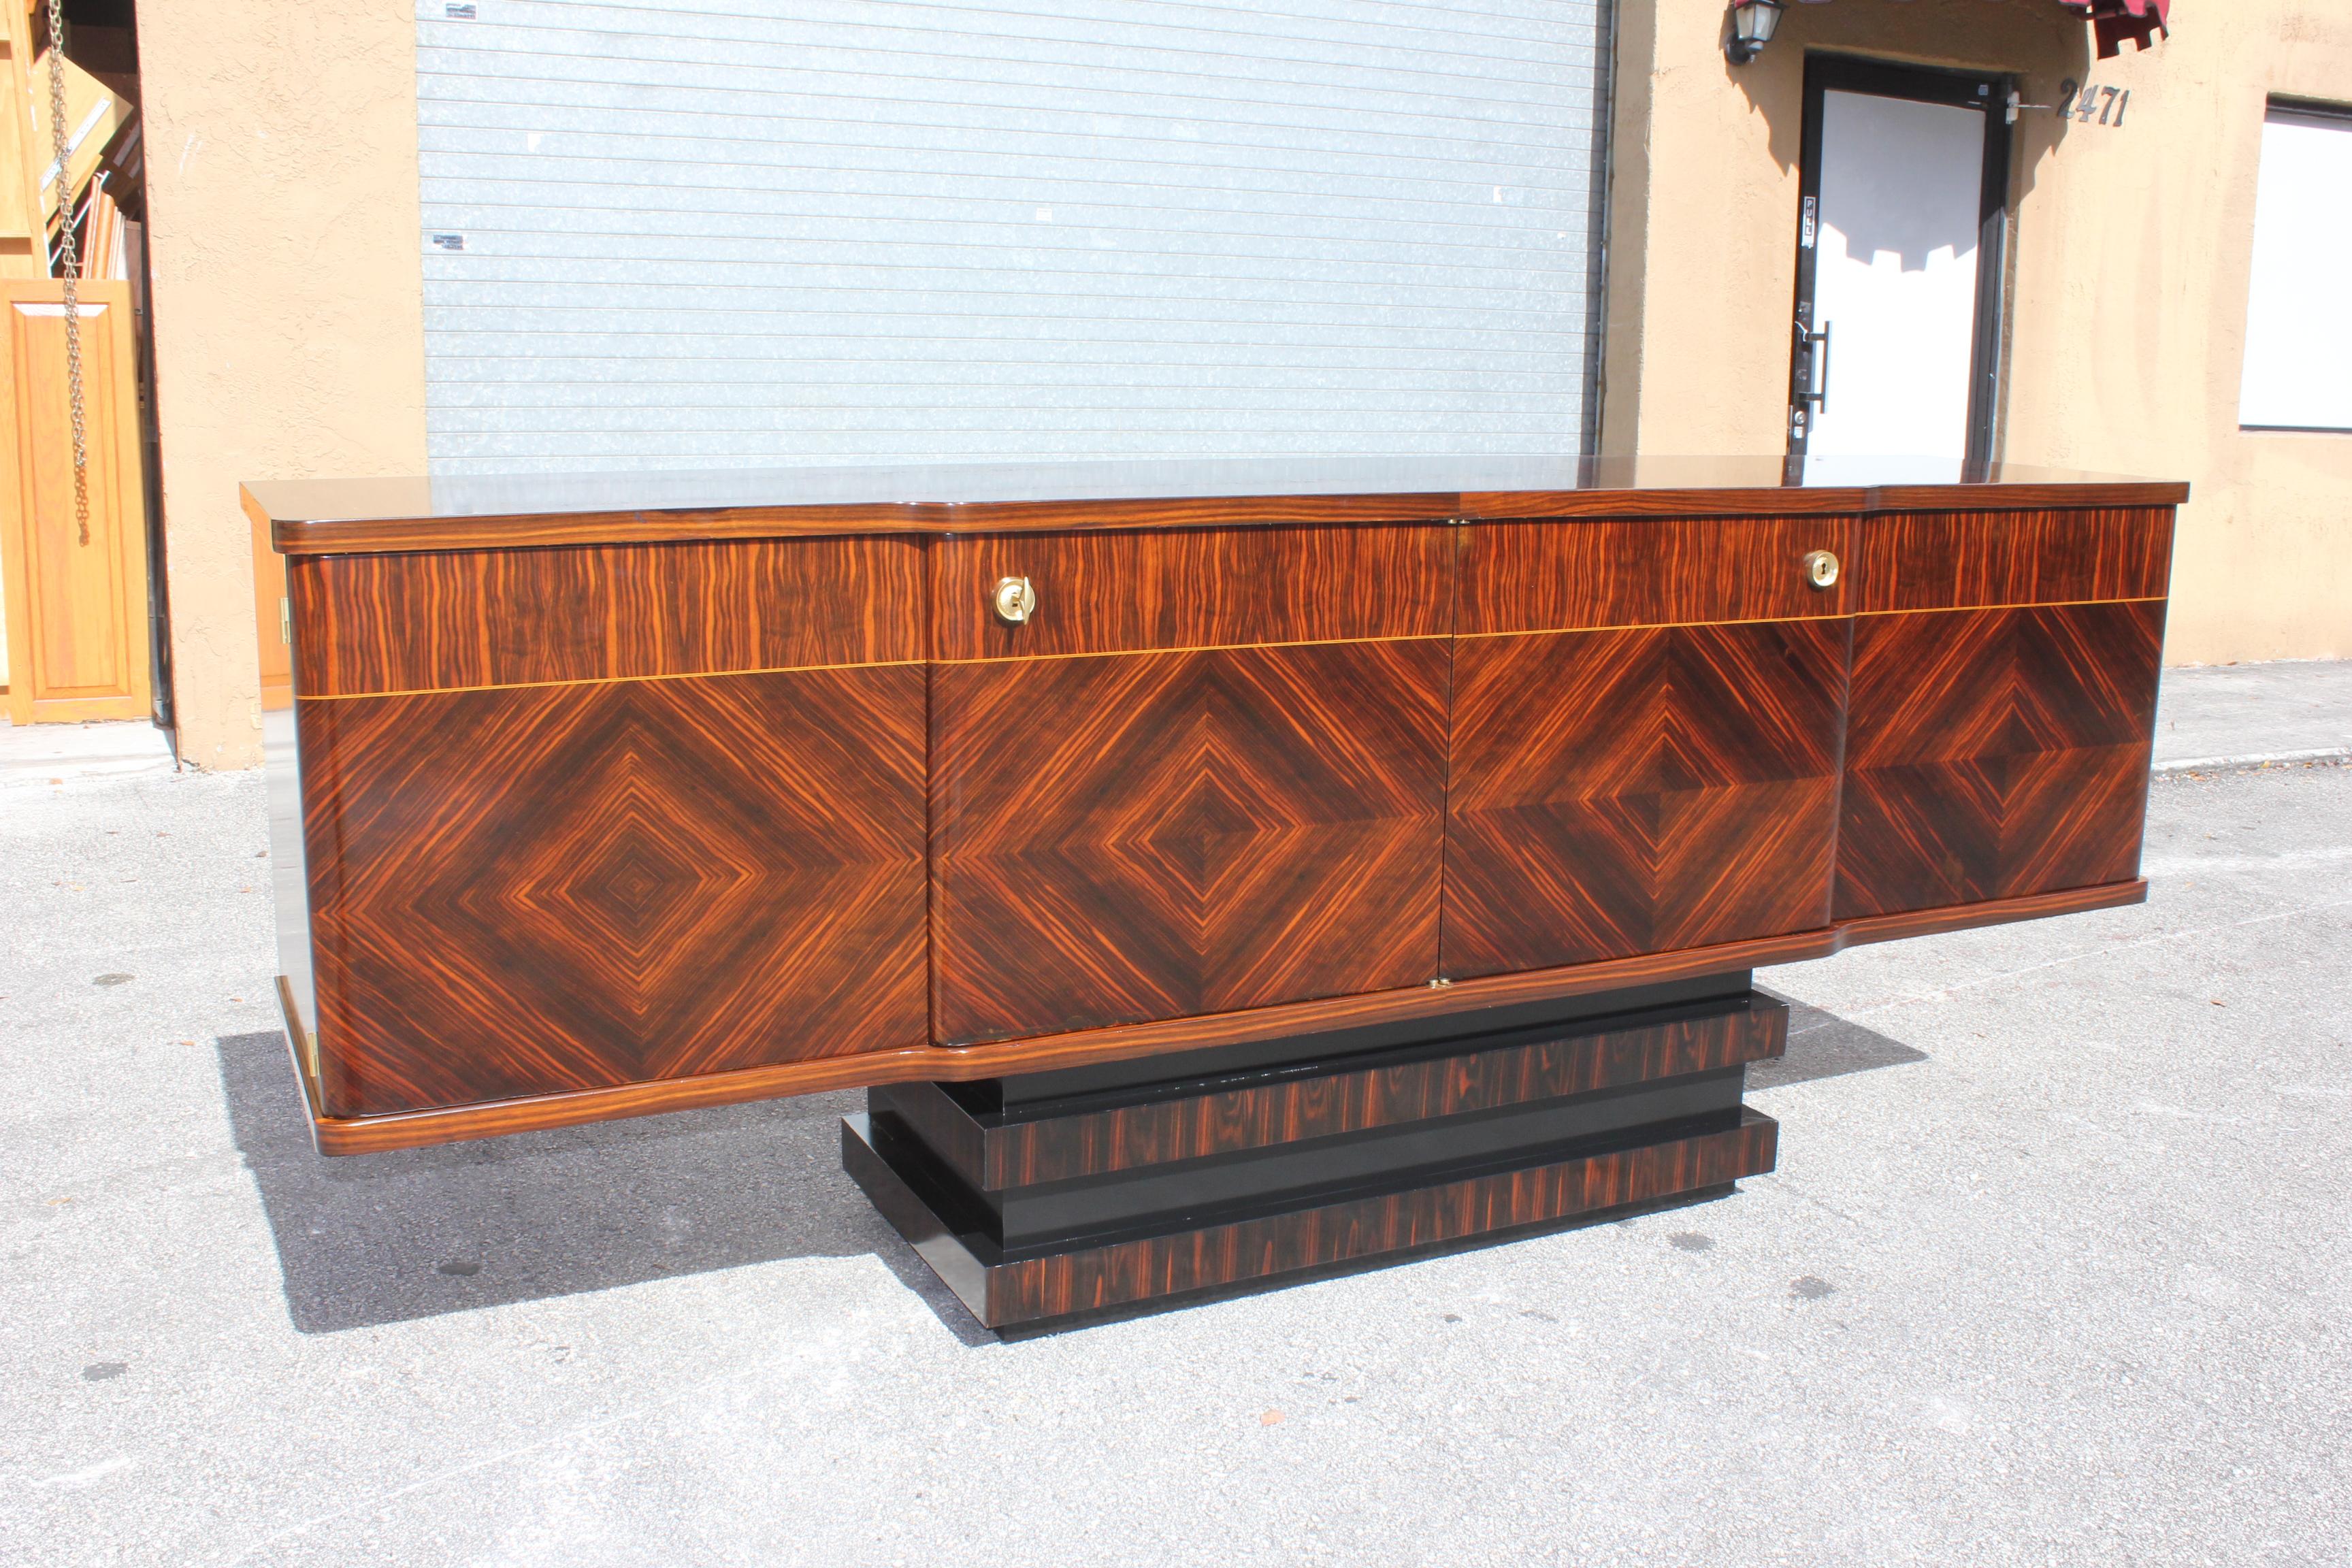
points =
(1015, 600)
(1821, 569)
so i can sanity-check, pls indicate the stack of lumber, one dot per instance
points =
(95, 113)
(96, 120)
(95, 188)
(100, 249)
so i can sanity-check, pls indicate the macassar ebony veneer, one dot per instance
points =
(1161, 589)
(463, 619)
(2002, 715)
(1206, 774)
(1647, 790)
(995, 1138)
(1163, 834)
(563, 886)
(1039, 1207)
(603, 795)
(1993, 753)
(1556, 574)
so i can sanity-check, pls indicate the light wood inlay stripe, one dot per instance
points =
(607, 681)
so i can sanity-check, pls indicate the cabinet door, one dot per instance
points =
(1646, 723)
(1207, 775)
(2004, 705)
(589, 817)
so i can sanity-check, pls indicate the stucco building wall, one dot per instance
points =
(289, 335)
(2132, 250)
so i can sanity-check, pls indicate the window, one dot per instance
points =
(2298, 328)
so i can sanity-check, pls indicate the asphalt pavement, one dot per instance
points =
(2229, 715)
(2056, 1269)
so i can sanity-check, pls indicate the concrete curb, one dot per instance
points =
(2252, 760)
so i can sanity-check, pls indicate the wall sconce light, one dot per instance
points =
(1752, 22)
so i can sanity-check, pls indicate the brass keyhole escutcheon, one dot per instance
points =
(1821, 569)
(1015, 600)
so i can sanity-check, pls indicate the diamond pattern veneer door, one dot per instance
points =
(1994, 754)
(529, 889)
(1640, 790)
(1154, 835)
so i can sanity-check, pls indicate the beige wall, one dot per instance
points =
(2132, 250)
(290, 337)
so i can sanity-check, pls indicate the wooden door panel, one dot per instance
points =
(1994, 754)
(1640, 790)
(75, 602)
(1131, 838)
(524, 891)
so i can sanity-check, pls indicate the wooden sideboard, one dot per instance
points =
(625, 794)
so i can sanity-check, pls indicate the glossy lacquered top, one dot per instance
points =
(332, 516)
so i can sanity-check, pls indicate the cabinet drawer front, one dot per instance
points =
(1107, 591)
(463, 619)
(1568, 574)
(1962, 560)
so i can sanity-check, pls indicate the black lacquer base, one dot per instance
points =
(1058, 1202)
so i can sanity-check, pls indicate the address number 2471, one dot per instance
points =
(2093, 104)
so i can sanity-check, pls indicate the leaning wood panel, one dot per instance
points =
(376, 623)
(1567, 574)
(1120, 839)
(77, 610)
(523, 891)
(1117, 592)
(1996, 753)
(1967, 560)
(1623, 792)
(24, 234)
(1221, 1255)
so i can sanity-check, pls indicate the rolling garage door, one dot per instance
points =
(683, 233)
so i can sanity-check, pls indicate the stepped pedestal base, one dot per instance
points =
(1060, 1197)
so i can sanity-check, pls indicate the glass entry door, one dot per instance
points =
(1900, 238)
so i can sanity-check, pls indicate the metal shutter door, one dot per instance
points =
(768, 232)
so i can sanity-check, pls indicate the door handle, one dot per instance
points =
(1817, 363)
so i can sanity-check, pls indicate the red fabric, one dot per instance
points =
(2114, 21)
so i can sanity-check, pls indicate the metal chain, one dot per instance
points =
(69, 252)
